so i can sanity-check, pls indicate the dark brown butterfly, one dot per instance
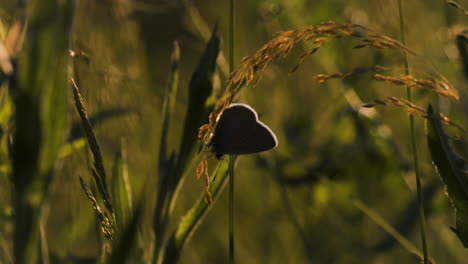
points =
(238, 131)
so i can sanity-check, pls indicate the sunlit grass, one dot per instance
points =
(340, 181)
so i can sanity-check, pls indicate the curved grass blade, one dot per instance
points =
(122, 252)
(121, 192)
(408, 218)
(203, 29)
(462, 44)
(200, 90)
(374, 216)
(199, 106)
(168, 107)
(166, 165)
(40, 98)
(453, 171)
(193, 218)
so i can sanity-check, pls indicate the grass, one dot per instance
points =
(337, 182)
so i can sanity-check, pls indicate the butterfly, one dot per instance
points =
(238, 131)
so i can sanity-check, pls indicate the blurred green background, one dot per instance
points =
(296, 203)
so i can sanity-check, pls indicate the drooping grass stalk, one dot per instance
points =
(232, 10)
(231, 209)
(413, 137)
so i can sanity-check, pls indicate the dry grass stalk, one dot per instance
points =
(357, 71)
(457, 5)
(202, 169)
(251, 67)
(413, 109)
(438, 86)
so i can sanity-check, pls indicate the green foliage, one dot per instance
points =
(168, 108)
(199, 106)
(107, 218)
(41, 100)
(374, 216)
(453, 171)
(121, 191)
(462, 43)
(127, 238)
(194, 216)
(295, 204)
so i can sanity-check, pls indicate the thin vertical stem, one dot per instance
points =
(422, 218)
(43, 242)
(231, 158)
(231, 209)
(231, 34)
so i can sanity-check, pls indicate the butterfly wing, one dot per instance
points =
(234, 126)
(239, 132)
(261, 139)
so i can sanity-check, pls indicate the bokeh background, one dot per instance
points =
(298, 203)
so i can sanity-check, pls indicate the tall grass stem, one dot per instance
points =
(231, 209)
(232, 13)
(413, 138)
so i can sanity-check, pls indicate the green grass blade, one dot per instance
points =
(408, 218)
(166, 164)
(409, 93)
(232, 253)
(462, 44)
(127, 241)
(40, 110)
(199, 107)
(43, 244)
(200, 90)
(121, 192)
(453, 171)
(193, 218)
(374, 216)
(201, 25)
(168, 106)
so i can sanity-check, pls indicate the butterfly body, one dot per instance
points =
(238, 131)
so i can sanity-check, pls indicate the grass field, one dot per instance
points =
(106, 109)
